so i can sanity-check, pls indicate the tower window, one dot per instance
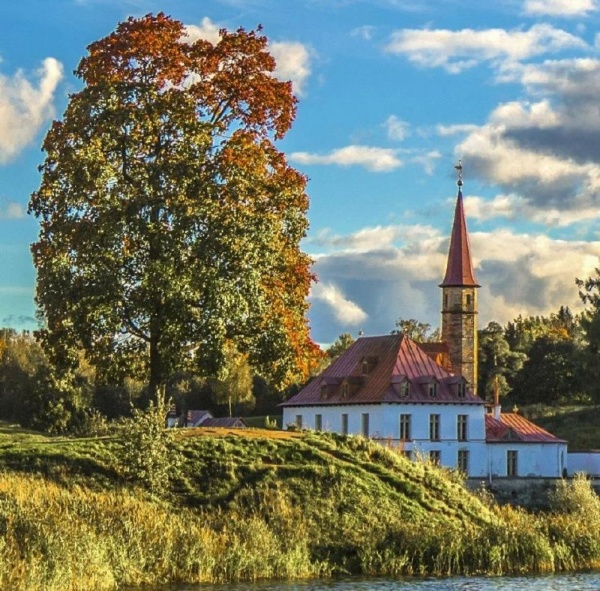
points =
(469, 299)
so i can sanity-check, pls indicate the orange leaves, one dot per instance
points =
(146, 50)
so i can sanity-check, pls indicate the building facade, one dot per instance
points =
(391, 389)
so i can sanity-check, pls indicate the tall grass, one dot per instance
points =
(308, 508)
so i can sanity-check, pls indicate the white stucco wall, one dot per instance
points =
(534, 459)
(587, 462)
(384, 423)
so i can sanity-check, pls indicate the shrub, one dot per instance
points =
(148, 455)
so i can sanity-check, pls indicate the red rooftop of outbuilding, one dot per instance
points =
(514, 427)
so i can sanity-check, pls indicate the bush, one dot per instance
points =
(148, 455)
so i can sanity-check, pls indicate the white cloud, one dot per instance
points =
(292, 58)
(293, 63)
(515, 207)
(427, 161)
(344, 310)
(25, 106)
(363, 240)
(456, 51)
(365, 32)
(370, 157)
(396, 128)
(207, 30)
(12, 211)
(398, 277)
(447, 130)
(567, 8)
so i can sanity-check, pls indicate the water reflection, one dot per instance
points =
(569, 582)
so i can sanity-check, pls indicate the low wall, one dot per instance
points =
(530, 493)
(586, 461)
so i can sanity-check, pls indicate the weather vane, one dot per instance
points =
(458, 168)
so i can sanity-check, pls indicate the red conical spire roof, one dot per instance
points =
(459, 272)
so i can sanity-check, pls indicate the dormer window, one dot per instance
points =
(433, 389)
(323, 391)
(405, 389)
(345, 390)
(365, 367)
(461, 389)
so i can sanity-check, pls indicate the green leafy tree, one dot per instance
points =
(420, 332)
(170, 224)
(340, 345)
(234, 384)
(497, 362)
(551, 374)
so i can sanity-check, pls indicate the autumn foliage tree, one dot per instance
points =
(169, 221)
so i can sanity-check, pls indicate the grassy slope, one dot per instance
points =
(252, 504)
(576, 424)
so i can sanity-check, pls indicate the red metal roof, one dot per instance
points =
(514, 427)
(373, 369)
(459, 270)
(224, 422)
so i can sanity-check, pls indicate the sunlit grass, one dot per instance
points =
(255, 504)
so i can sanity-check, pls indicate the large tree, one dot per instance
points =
(169, 222)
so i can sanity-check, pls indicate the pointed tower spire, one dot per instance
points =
(459, 270)
(459, 297)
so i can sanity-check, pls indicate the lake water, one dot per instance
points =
(569, 582)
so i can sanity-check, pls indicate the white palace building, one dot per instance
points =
(422, 397)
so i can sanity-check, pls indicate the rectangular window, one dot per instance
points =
(435, 456)
(463, 461)
(434, 427)
(512, 467)
(365, 424)
(299, 421)
(405, 427)
(461, 427)
(433, 389)
(318, 422)
(344, 424)
(462, 389)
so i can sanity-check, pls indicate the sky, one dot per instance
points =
(392, 94)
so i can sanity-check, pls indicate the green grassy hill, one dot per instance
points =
(577, 424)
(254, 504)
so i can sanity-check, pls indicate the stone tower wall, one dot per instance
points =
(459, 330)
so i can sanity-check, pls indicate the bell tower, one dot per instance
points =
(459, 297)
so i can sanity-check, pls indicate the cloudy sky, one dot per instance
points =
(392, 93)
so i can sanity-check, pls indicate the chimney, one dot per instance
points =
(497, 407)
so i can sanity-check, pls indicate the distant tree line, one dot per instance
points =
(33, 394)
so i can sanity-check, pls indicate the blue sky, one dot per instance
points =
(392, 93)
